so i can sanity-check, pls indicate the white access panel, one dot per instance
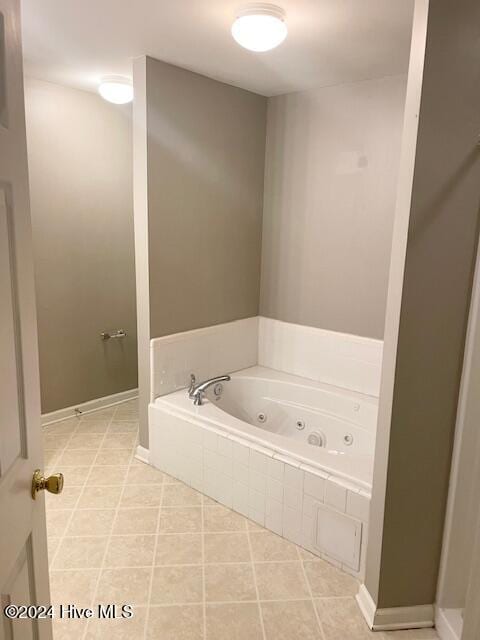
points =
(339, 536)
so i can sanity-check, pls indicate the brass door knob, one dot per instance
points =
(53, 484)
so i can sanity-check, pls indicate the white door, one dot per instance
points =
(23, 546)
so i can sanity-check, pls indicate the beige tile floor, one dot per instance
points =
(123, 532)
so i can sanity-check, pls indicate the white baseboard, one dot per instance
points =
(448, 624)
(142, 454)
(88, 407)
(396, 618)
(366, 604)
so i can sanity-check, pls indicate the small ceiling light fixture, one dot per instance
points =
(260, 27)
(116, 89)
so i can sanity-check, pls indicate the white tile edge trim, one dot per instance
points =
(396, 618)
(142, 454)
(443, 627)
(89, 406)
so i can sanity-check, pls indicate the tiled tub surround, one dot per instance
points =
(224, 347)
(123, 531)
(340, 359)
(347, 361)
(313, 496)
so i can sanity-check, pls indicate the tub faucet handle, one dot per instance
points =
(193, 380)
(198, 390)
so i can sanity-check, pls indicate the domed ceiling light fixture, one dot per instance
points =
(260, 27)
(116, 89)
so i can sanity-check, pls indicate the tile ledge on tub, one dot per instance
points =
(256, 447)
(249, 443)
(314, 471)
(345, 484)
(365, 494)
(287, 460)
(243, 441)
(211, 429)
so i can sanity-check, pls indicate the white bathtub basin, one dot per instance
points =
(344, 420)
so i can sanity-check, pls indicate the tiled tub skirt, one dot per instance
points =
(326, 515)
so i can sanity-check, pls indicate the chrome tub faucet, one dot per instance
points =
(197, 391)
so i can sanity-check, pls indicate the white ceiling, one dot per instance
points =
(75, 42)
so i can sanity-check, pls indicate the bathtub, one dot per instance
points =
(292, 454)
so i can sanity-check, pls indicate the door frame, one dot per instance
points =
(471, 621)
(466, 443)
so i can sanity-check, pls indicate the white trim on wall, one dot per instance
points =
(142, 454)
(448, 623)
(89, 406)
(461, 493)
(396, 618)
(395, 289)
(140, 224)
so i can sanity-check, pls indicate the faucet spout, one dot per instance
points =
(197, 391)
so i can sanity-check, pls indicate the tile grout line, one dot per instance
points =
(259, 606)
(186, 603)
(102, 563)
(61, 538)
(95, 589)
(152, 568)
(193, 564)
(307, 582)
(173, 564)
(137, 484)
(64, 535)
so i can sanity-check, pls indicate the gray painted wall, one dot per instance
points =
(330, 186)
(206, 154)
(80, 164)
(464, 511)
(430, 287)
